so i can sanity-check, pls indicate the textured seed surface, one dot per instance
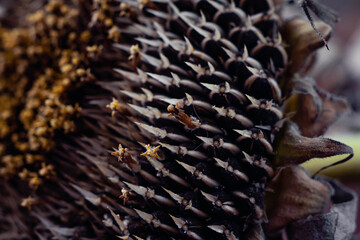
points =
(177, 130)
(199, 82)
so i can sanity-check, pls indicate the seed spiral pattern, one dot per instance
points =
(194, 110)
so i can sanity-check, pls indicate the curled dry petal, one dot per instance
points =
(295, 195)
(338, 223)
(303, 40)
(315, 109)
(296, 149)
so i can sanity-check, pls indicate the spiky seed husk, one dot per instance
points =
(200, 85)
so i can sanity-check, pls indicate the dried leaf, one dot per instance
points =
(304, 40)
(293, 148)
(315, 110)
(338, 223)
(295, 195)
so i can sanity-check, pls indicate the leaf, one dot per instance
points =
(303, 40)
(295, 195)
(292, 148)
(338, 223)
(315, 109)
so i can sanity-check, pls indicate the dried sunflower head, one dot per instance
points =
(201, 93)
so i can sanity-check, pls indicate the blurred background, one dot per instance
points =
(338, 72)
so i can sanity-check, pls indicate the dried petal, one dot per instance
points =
(303, 40)
(296, 149)
(315, 110)
(338, 223)
(294, 196)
